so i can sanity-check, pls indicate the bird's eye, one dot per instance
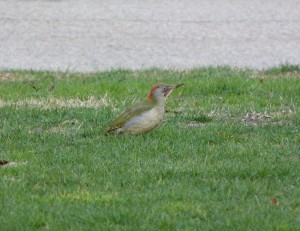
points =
(165, 88)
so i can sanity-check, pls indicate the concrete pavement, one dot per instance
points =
(90, 35)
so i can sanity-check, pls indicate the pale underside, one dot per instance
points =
(137, 119)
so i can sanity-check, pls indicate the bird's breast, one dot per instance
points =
(145, 121)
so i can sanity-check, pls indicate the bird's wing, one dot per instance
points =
(135, 109)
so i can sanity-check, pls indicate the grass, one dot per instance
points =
(228, 159)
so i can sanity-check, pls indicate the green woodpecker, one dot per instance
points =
(143, 116)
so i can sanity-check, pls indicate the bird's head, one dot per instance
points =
(160, 92)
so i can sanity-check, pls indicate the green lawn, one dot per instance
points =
(226, 158)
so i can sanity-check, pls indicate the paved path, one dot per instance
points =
(91, 35)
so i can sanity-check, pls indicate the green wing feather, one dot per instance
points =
(129, 113)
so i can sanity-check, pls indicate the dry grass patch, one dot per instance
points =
(51, 103)
(8, 77)
(194, 124)
(71, 125)
(67, 126)
(254, 118)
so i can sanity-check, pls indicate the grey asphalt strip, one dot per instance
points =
(91, 35)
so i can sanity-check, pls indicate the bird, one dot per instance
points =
(143, 116)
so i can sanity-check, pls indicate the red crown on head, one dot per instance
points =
(152, 90)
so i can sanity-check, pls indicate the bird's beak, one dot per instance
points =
(171, 88)
(177, 85)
